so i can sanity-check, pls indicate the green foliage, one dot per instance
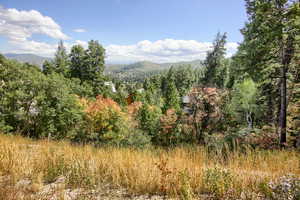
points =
(106, 123)
(148, 117)
(214, 61)
(136, 138)
(35, 104)
(270, 29)
(184, 79)
(186, 191)
(60, 64)
(218, 182)
(244, 101)
(94, 61)
(77, 61)
(172, 99)
(47, 104)
(87, 66)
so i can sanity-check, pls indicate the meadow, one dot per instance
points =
(180, 173)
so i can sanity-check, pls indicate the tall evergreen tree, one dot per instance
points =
(268, 50)
(172, 99)
(60, 64)
(94, 61)
(214, 60)
(61, 59)
(77, 67)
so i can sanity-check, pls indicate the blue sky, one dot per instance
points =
(130, 30)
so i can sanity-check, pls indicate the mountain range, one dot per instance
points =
(138, 69)
(147, 66)
(29, 58)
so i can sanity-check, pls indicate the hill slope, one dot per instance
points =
(29, 58)
(128, 72)
(139, 70)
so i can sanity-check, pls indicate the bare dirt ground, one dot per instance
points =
(26, 190)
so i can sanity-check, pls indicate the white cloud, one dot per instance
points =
(19, 26)
(30, 46)
(167, 50)
(82, 43)
(79, 30)
(41, 48)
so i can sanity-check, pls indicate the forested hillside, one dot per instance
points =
(139, 71)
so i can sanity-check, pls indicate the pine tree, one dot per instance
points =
(94, 61)
(60, 64)
(172, 99)
(267, 52)
(77, 66)
(61, 60)
(214, 60)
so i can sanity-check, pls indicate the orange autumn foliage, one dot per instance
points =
(168, 121)
(105, 119)
(101, 103)
(133, 108)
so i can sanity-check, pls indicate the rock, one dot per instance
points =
(23, 183)
(72, 194)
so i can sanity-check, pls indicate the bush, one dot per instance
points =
(170, 130)
(105, 122)
(36, 105)
(219, 182)
(136, 138)
(148, 117)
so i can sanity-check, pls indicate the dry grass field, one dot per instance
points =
(181, 173)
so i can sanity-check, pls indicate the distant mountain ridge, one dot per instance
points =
(147, 66)
(29, 58)
(140, 70)
(133, 71)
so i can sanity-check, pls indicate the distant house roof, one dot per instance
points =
(140, 90)
(109, 83)
(187, 110)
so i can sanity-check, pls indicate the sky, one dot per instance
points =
(130, 30)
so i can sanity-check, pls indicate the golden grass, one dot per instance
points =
(140, 171)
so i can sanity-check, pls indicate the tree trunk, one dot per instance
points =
(249, 120)
(287, 55)
(283, 107)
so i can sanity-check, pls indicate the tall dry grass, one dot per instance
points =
(173, 172)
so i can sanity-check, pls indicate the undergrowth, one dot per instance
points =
(184, 173)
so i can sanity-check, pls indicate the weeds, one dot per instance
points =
(218, 182)
(186, 191)
(180, 172)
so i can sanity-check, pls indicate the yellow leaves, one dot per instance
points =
(104, 116)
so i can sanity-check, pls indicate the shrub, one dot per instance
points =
(170, 129)
(264, 138)
(105, 122)
(36, 105)
(186, 191)
(218, 182)
(148, 117)
(206, 114)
